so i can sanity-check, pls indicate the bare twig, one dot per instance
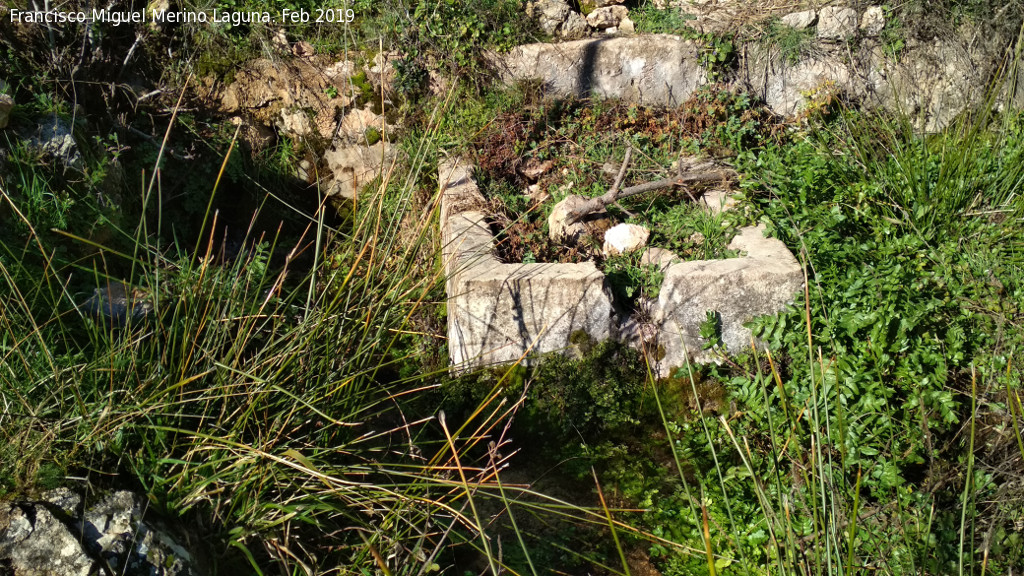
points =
(622, 170)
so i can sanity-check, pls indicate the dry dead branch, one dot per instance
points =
(688, 173)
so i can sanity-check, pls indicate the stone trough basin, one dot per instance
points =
(502, 313)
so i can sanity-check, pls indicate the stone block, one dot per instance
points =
(737, 290)
(499, 313)
(650, 69)
(800, 20)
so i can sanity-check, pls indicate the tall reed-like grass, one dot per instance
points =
(260, 393)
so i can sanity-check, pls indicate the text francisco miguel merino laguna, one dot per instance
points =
(126, 17)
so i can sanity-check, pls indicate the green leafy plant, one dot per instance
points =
(791, 43)
(631, 280)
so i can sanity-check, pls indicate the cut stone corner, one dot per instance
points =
(761, 282)
(500, 313)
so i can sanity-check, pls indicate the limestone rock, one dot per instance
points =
(718, 200)
(624, 239)
(549, 14)
(660, 257)
(54, 138)
(607, 17)
(6, 105)
(787, 90)
(559, 230)
(354, 167)
(837, 23)
(873, 21)
(383, 73)
(298, 95)
(626, 26)
(54, 537)
(800, 20)
(931, 82)
(356, 124)
(305, 171)
(574, 27)
(258, 136)
(649, 69)
(118, 303)
(295, 122)
(763, 281)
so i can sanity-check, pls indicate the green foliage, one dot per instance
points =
(650, 19)
(894, 34)
(790, 43)
(693, 232)
(593, 396)
(711, 330)
(449, 35)
(717, 53)
(631, 280)
(36, 193)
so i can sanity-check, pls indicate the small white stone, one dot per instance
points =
(625, 238)
(873, 21)
(800, 20)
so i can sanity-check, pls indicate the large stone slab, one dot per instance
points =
(500, 313)
(737, 290)
(648, 69)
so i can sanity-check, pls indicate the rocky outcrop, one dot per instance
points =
(931, 81)
(300, 96)
(55, 536)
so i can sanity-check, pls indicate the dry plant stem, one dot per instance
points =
(701, 173)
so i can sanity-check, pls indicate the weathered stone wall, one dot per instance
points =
(845, 53)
